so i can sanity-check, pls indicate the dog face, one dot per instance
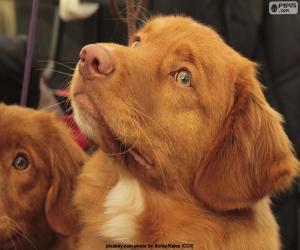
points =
(180, 108)
(37, 174)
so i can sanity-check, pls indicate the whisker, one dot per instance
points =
(157, 158)
(143, 19)
(125, 151)
(186, 194)
(52, 105)
(120, 15)
(145, 11)
(72, 62)
(68, 85)
(67, 105)
(115, 170)
(154, 122)
(55, 71)
(59, 63)
(69, 109)
(15, 228)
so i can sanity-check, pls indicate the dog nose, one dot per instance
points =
(95, 61)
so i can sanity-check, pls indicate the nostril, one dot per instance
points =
(82, 55)
(96, 65)
(95, 61)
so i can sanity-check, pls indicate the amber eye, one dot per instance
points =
(135, 43)
(20, 162)
(184, 78)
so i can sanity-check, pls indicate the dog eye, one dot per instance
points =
(183, 77)
(20, 162)
(135, 43)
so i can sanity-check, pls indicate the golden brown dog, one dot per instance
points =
(190, 149)
(39, 163)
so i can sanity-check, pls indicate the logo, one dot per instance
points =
(283, 8)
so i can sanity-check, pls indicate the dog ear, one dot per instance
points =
(66, 164)
(252, 155)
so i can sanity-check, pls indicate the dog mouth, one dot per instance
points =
(141, 159)
(130, 153)
(112, 144)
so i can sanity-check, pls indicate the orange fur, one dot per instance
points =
(218, 149)
(35, 203)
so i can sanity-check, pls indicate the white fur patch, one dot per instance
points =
(123, 203)
(84, 122)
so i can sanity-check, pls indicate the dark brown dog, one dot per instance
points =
(191, 150)
(39, 163)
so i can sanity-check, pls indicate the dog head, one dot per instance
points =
(38, 169)
(184, 110)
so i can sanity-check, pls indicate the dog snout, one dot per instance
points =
(95, 62)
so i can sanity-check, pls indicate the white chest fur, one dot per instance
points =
(122, 205)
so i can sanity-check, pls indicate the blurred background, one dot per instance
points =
(253, 27)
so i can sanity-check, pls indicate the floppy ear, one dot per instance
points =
(65, 167)
(252, 155)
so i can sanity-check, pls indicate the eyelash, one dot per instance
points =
(135, 39)
(173, 72)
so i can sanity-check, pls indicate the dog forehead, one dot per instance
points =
(167, 22)
(174, 25)
(13, 138)
(179, 31)
(20, 125)
(12, 119)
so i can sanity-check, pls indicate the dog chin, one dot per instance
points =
(95, 130)
(86, 123)
(104, 138)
